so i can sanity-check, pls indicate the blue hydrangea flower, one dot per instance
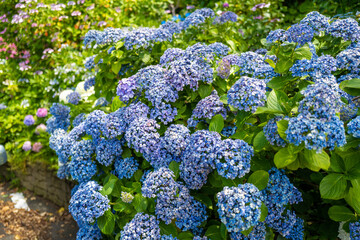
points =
(92, 123)
(276, 35)
(53, 124)
(87, 203)
(239, 207)
(110, 35)
(29, 120)
(316, 133)
(92, 35)
(317, 21)
(206, 12)
(320, 100)
(349, 59)
(89, 232)
(125, 167)
(60, 111)
(134, 111)
(354, 127)
(171, 26)
(78, 119)
(170, 55)
(271, 132)
(198, 158)
(126, 87)
(233, 158)
(159, 183)
(247, 94)
(257, 233)
(300, 33)
(142, 226)
(228, 131)
(348, 29)
(193, 19)
(289, 225)
(191, 215)
(223, 69)
(207, 108)
(82, 150)
(82, 170)
(226, 17)
(354, 230)
(219, 49)
(107, 150)
(89, 83)
(175, 139)
(249, 62)
(73, 98)
(142, 135)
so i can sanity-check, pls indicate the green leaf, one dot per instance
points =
(217, 123)
(139, 203)
(223, 231)
(341, 213)
(283, 65)
(205, 199)
(120, 206)
(282, 127)
(353, 196)
(284, 158)
(264, 212)
(213, 232)
(351, 86)
(224, 99)
(146, 58)
(247, 231)
(119, 44)
(261, 110)
(273, 102)
(316, 161)
(205, 90)
(232, 44)
(259, 141)
(259, 178)
(126, 153)
(168, 229)
(333, 186)
(271, 62)
(186, 235)
(279, 82)
(116, 104)
(336, 163)
(303, 53)
(174, 166)
(106, 222)
(109, 186)
(138, 175)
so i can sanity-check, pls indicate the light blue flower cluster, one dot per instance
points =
(354, 230)
(271, 132)
(239, 207)
(300, 33)
(142, 226)
(219, 49)
(198, 158)
(92, 123)
(349, 59)
(226, 17)
(354, 127)
(78, 119)
(247, 94)
(87, 203)
(276, 35)
(257, 233)
(320, 101)
(228, 131)
(233, 158)
(168, 237)
(207, 108)
(316, 133)
(317, 66)
(89, 232)
(175, 140)
(73, 98)
(170, 55)
(278, 194)
(348, 29)
(107, 150)
(317, 21)
(159, 183)
(126, 87)
(89, 82)
(125, 167)
(60, 118)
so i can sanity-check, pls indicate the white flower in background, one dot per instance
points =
(64, 94)
(83, 93)
(25, 103)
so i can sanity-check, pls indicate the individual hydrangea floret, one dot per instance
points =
(168, 237)
(247, 94)
(271, 132)
(239, 207)
(207, 108)
(354, 127)
(142, 226)
(29, 120)
(348, 29)
(233, 158)
(228, 131)
(125, 167)
(198, 158)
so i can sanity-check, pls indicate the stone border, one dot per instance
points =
(43, 182)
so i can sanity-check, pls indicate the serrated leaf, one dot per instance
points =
(316, 161)
(284, 158)
(341, 213)
(106, 222)
(333, 186)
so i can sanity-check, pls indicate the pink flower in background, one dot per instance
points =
(225, 5)
(33, 11)
(37, 147)
(259, 17)
(91, 7)
(26, 146)
(23, 65)
(34, 25)
(260, 6)
(81, 2)
(102, 24)
(76, 13)
(63, 17)
(4, 31)
(40, 128)
(190, 7)
(20, 5)
(117, 9)
(167, 11)
(41, 112)
(71, 3)
(275, 20)
(39, 72)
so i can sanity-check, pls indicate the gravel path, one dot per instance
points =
(45, 220)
